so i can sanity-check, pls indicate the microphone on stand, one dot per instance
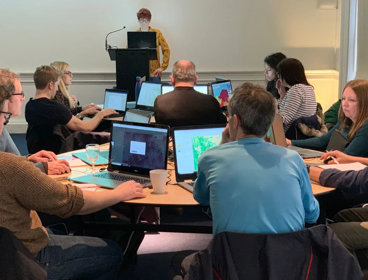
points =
(107, 46)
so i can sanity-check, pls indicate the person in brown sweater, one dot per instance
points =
(24, 189)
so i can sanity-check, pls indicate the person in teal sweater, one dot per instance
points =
(352, 124)
(331, 116)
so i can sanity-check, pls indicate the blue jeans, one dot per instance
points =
(80, 257)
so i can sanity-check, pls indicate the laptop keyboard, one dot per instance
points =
(123, 178)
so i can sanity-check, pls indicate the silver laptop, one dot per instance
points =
(276, 135)
(200, 88)
(116, 99)
(135, 149)
(189, 143)
(136, 116)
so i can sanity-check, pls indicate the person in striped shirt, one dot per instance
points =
(297, 98)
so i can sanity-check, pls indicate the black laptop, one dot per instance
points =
(135, 149)
(116, 99)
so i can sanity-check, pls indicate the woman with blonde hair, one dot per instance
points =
(352, 124)
(64, 97)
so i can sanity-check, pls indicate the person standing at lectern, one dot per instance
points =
(155, 66)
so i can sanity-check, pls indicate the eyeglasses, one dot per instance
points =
(7, 116)
(20, 93)
(68, 73)
(143, 20)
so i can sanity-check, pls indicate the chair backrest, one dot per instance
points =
(16, 262)
(313, 253)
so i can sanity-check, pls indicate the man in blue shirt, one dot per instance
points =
(251, 185)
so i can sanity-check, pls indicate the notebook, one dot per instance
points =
(200, 88)
(221, 90)
(189, 143)
(276, 135)
(103, 157)
(116, 99)
(135, 149)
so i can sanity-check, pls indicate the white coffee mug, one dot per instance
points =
(158, 179)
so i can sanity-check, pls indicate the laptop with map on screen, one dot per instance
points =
(189, 143)
(135, 149)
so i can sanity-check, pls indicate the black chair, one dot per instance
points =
(312, 253)
(16, 262)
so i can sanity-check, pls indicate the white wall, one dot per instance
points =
(219, 35)
(224, 38)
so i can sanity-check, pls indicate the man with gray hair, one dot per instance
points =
(185, 106)
(253, 186)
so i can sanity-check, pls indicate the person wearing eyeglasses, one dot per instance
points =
(156, 67)
(24, 191)
(64, 97)
(46, 161)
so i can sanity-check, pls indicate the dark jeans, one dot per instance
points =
(350, 231)
(80, 257)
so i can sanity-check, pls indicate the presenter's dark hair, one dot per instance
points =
(292, 71)
(44, 75)
(144, 13)
(255, 108)
(273, 59)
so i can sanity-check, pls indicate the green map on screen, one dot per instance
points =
(201, 144)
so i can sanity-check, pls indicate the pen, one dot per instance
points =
(334, 160)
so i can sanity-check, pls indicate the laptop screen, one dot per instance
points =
(133, 116)
(138, 148)
(141, 40)
(201, 88)
(115, 99)
(147, 95)
(189, 144)
(221, 91)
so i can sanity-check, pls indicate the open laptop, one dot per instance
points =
(200, 88)
(147, 95)
(221, 90)
(136, 116)
(116, 99)
(276, 135)
(189, 143)
(146, 99)
(135, 149)
(141, 40)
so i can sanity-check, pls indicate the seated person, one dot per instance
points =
(297, 98)
(44, 114)
(25, 190)
(331, 116)
(185, 106)
(253, 186)
(64, 97)
(270, 65)
(353, 122)
(352, 224)
(46, 161)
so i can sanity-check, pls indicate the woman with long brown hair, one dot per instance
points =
(353, 122)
